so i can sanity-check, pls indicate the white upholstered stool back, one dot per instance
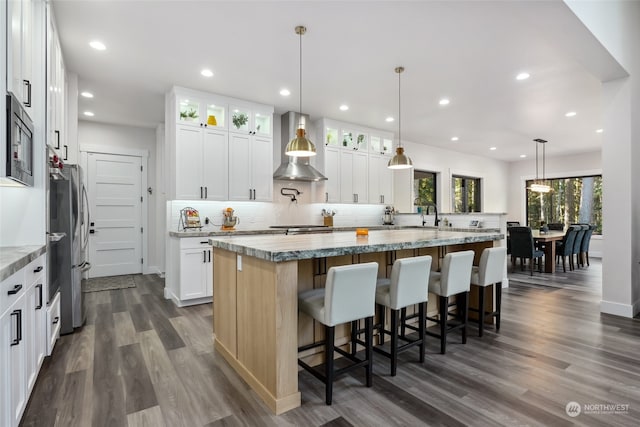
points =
(409, 283)
(491, 268)
(455, 275)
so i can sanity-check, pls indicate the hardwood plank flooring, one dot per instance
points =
(141, 361)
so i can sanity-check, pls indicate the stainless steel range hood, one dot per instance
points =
(295, 168)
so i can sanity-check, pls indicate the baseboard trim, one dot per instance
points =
(617, 309)
(155, 270)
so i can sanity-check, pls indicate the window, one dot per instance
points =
(572, 200)
(466, 194)
(424, 187)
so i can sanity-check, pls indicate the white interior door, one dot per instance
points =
(115, 227)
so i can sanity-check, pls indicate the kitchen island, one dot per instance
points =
(257, 279)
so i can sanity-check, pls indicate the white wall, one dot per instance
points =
(615, 25)
(494, 175)
(129, 137)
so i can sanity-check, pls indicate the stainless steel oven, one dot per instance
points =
(19, 142)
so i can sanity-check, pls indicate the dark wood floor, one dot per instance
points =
(140, 361)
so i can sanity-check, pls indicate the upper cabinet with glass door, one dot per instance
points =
(201, 112)
(354, 140)
(381, 144)
(252, 121)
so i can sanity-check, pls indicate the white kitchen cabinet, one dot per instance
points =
(354, 176)
(201, 163)
(189, 275)
(218, 148)
(250, 167)
(57, 96)
(380, 180)
(52, 329)
(35, 319)
(352, 157)
(20, 49)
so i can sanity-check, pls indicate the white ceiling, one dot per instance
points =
(469, 52)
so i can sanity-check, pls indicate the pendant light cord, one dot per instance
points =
(300, 110)
(399, 115)
(537, 177)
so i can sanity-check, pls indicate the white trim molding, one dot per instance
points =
(618, 309)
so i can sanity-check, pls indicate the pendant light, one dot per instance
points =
(540, 185)
(400, 160)
(300, 146)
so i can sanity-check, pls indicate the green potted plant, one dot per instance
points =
(239, 120)
(190, 115)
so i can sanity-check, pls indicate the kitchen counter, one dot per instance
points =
(256, 280)
(13, 258)
(297, 247)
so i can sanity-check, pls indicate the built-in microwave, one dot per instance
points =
(19, 142)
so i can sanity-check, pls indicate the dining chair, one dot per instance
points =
(564, 248)
(522, 247)
(586, 240)
(577, 244)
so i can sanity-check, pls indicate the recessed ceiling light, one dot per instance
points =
(522, 156)
(444, 101)
(97, 45)
(285, 92)
(455, 138)
(599, 130)
(206, 72)
(523, 76)
(88, 114)
(493, 148)
(571, 114)
(389, 119)
(344, 107)
(87, 94)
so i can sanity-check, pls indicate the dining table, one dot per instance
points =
(546, 241)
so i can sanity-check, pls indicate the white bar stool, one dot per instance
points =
(408, 285)
(454, 279)
(489, 271)
(349, 295)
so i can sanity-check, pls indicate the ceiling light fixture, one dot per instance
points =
(540, 185)
(599, 130)
(444, 101)
(285, 92)
(523, 76)
(493, 148)
(300, 146)
(571, 114)
(400, 160)
(207, 73)
(455, 138)
(522, 156)
(87, 94)
(389, 119)
(344, 107)
(97, 45)
(88, 114)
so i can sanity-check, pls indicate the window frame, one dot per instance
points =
(465, 203)
(428, 174)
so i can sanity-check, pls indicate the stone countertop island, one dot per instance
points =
(256, 280)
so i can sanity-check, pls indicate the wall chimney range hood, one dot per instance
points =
(295, 168)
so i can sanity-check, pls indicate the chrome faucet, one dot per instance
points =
(435, 208)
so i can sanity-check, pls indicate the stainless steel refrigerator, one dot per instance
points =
(68, 219)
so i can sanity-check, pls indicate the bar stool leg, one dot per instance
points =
(498, 287)
(354, 336)
(422, 329)
(328, 354)
(444, 314)
(465, 317)
(394, 342)
(481, 311)
(381, 313)
(369, 349)
(403, 317)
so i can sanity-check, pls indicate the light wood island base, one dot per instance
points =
(255, 317)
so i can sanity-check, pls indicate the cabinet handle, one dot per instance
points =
(254, 194)
(206, 191)
(201, 192)
(200, 124)
(250, 194)
(66, 152)
(28, 102)
(326, 197)
(204, 256)
(57, 139)
(39, 306)
(18, 314)
(209, 255)
(38, 270)
(204, 243)
(205, 125)
(55, 320)
(15, 290)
